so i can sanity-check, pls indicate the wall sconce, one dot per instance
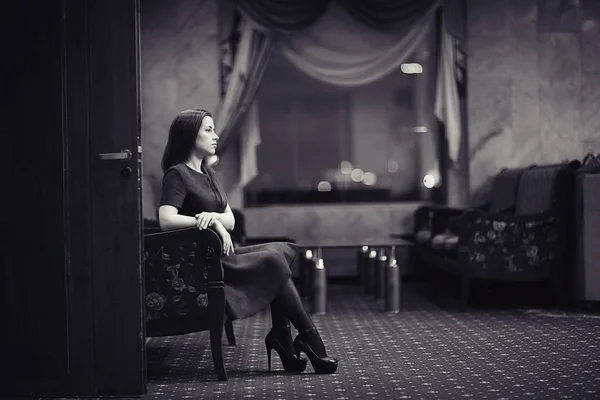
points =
(346, 167)
(411, 68)
(431, 179)
(357, 175)
(324, 186)
(369, 178)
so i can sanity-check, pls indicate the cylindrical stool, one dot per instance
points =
(392, 284)
(361, 262)
(319, 288)
(380, 275)
(306, 265)
(369, 272)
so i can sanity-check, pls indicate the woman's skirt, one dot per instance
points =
(254, 276)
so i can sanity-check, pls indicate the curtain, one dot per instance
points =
(249, 65)
(249, 140)
(339, 50)
(447, 102)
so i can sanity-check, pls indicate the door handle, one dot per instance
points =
(123, 155)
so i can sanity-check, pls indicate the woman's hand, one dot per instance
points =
(225, 238)
(206, 219)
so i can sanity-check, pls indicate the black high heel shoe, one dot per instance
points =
(310, 343)
(290, 362)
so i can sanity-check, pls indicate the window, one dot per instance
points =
(322, 144)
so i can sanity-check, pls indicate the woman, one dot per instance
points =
(255, 276)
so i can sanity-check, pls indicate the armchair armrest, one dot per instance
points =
(207, 241)
(181, 269)
(422, 217)
(502, 243)
(252, 240)
(479, 207)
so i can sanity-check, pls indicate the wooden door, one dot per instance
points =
(106, 342)
(115, 175)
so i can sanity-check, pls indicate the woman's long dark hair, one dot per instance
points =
(182, 139)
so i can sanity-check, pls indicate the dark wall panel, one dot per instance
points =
(34, 339)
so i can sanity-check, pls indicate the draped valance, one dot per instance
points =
(283, 16)
(290, 16)
(340, 50)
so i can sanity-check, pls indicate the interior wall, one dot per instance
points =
(179, 70)
(534, 83)
(33, 284)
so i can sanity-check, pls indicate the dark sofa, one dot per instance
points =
(521, 234)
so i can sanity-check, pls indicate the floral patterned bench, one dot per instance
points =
(527, 242)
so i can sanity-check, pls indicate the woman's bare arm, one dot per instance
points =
(227, 218)
(206, 219)
(169, 219)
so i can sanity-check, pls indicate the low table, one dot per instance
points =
(371, 274)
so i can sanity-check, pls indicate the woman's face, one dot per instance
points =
(206, 141)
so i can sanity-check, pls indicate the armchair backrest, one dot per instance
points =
(545, 187)
(238, 235)
(503, 194)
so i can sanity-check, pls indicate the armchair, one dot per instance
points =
(184, 286)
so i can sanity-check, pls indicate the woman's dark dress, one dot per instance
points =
(254, 275)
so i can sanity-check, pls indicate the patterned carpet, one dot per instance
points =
(424, 352)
